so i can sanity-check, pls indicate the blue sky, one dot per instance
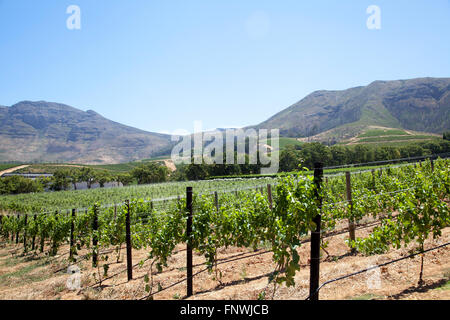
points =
(159, 65)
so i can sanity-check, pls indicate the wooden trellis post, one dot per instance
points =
(54, 248)
(33, 241)
(351, 222)
(315, 237)
(18, 224)
(12, 232)
(42, 240)
(25, 233)
(128, 240)
(269, 195)
(95, 238)
(72, 230)
(189, 265)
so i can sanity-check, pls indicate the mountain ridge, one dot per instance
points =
(43, 131)
(408, 104)
(52, 132)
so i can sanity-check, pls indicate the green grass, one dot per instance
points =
(367, 296)
(112, 168)
(403, 143)
(284, 142)
(381, 132)
(117, 168)
(24, 274)
(396, 138)
(352, 169)
(157, 158)
(51, 168)
(326, 171)
(6, 166)
(125, 167)
(10, 262)
(65, 200)
(445, 286)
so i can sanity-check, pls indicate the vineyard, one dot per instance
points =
(65, 201)
(404, 206)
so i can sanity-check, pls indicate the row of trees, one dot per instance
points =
(64, 179)
(18, 184)
(193, 171)
(290, 158)
(446, 135)
(151, 172)
(310, 153)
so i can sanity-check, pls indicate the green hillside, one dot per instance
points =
(387, 136)
(284, 142)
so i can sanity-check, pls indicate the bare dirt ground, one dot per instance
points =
(170, 165)
(37, 277)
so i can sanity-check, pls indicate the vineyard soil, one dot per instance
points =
(24, 277)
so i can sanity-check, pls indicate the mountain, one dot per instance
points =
(52, 132)
(421, 104)
(49, 132)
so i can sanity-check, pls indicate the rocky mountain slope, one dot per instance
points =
(45, 131)
(421, 104)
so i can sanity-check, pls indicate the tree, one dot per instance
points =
(446, 135)
(88, 175)
(102, 177)
(433, 146)
(45, 182)
(60, 180)
(18, 184)
(125, 178)
(360, 154)
(315, 152)
(290, 159)
(150, 173)
(225, 169)
(179, 174)
(412, 150)
(339, 154)
(196, 171)
(74, 177)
